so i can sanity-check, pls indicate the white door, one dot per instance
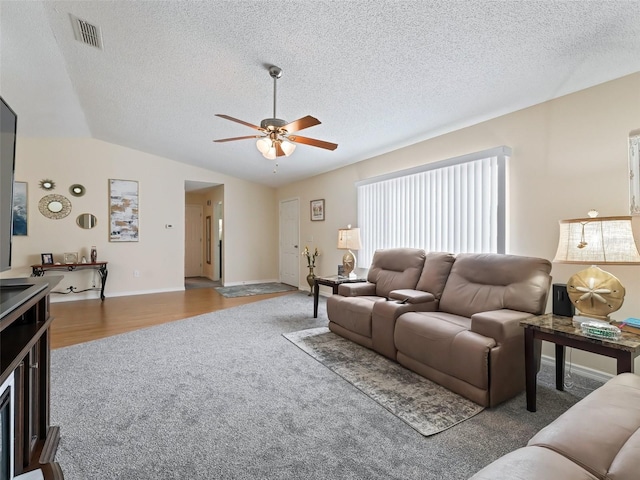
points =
(289, 242)
(193, 241)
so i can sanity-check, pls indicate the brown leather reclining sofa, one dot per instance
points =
(452, 319)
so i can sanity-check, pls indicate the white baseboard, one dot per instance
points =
(74, 297)
(579, 369)
(250, 282)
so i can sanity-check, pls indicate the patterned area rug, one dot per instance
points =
(254, 289)
(424, 405)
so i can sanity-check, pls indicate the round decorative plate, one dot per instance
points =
(54, 206)
(595, 292)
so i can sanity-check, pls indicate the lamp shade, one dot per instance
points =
(264, 144)
(602, 240)
(349, 239)
(287, 147)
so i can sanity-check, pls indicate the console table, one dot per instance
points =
(25, 372)
(333, 281)
(100, 267)
(561, 331)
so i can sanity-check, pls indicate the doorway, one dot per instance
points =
(193, 241)
(205, 225)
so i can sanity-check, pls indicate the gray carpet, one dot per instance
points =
(226, 396)
(424, 405)
(254, 289)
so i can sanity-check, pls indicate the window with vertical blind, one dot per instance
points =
(455, 205)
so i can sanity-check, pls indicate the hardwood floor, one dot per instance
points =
(85, 320)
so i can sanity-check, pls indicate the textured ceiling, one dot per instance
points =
(378, 74)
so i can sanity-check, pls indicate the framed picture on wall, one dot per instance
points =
(123, 211)
(20, 214)
(317, 210)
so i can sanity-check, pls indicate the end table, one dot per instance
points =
(562, 332)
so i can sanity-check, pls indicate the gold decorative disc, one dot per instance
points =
(595, 293)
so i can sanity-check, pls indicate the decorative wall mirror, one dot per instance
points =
(54, 206)
(86, 220)
(77, 190)
(47, 184)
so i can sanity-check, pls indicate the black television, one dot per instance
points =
(8, 124)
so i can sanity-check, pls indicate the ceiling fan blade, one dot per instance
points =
(227, 117)
(313, 142)
(301, 124)
(237, 138)
(279, 151)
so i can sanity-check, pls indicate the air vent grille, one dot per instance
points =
(86, 33)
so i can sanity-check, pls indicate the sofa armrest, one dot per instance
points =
(500, 325)
(356, 289)
(412, 296)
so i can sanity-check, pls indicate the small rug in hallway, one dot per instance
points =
(200, 282)
(254, 289)
(422, 404)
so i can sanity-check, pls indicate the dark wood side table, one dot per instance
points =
(333, 281)
(560, 331)
(101, 267)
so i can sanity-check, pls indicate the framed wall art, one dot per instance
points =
(123, 211)
(317, 210)
(20, 213)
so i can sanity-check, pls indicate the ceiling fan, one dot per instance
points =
(277, 137)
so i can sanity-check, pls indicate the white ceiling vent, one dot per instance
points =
(86, 33)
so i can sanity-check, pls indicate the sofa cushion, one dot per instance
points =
(395, 269)
(600, 432)
(443, 342)
(352, 313)
(437, 266)
(533, 463)
(487, 281)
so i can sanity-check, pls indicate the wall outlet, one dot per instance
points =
(136, 273)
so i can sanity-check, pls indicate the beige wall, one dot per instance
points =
(569, 155)
(159, 255)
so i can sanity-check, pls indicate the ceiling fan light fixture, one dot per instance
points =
(287, 147)
(270, 153)
(264, 144)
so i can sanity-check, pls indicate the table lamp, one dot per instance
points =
(605, 240)
(349, 239)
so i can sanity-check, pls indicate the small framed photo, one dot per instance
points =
(47, 258)
(341, 270)
(317, 210)
(71, 257)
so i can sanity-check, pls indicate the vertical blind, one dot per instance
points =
(634, 172)
(456, 205)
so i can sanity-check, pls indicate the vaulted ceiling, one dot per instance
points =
(378, 74)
